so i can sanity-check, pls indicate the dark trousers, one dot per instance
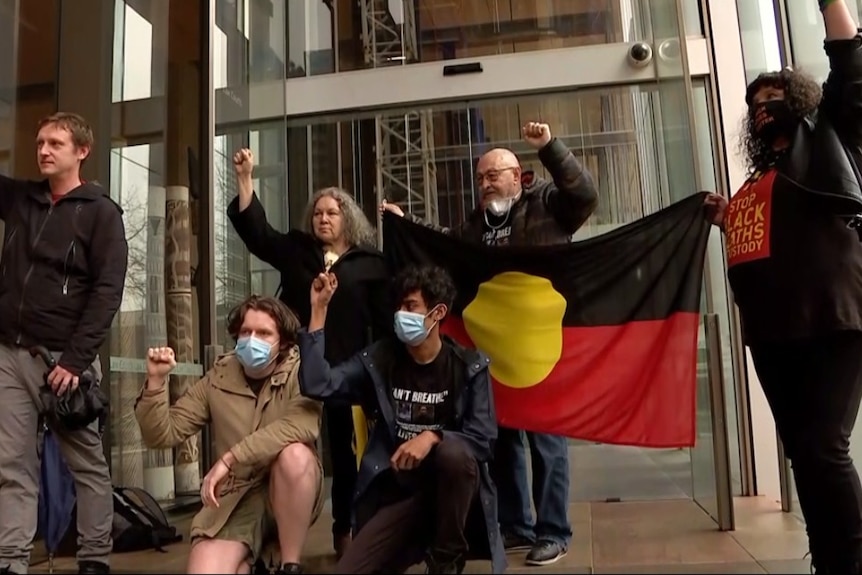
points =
(814, 387)
(433, 514)
(339, 428)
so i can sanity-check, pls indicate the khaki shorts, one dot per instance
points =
(251, 523)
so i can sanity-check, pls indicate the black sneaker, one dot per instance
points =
(545, 552)
(289, 569)
(512, 543)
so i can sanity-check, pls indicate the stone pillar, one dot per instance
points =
(180, 319)
(158, 463)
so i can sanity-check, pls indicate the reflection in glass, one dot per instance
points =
(133, 63)
(231, 257)
(807, 34)
(759, 33)
(344, 35)
(249, 46)
(153, 175)
(141, 321)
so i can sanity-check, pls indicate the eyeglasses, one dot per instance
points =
(492, 175)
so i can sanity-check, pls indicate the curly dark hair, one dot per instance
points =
(802, 95)
(285, 320)
(433, 282)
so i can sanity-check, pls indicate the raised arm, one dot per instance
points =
(457, 231)
(10, 191)
(163, 425)
(317, 379)
(572, 198)
(248, 217)
(842, 91)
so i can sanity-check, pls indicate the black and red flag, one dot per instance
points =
(594, 340)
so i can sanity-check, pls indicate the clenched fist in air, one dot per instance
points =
(243, 162)
(160, 362)
(537, 135)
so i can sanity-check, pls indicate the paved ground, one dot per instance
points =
(673, 536)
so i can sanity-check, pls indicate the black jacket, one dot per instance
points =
(62, 270)
(811, 284)
(360, 310)
(826, 155)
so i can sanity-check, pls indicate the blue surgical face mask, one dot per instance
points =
(410, 327)
(253, 353)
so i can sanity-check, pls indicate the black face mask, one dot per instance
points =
(773, 120)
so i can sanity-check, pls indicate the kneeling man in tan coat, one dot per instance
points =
(268, 478)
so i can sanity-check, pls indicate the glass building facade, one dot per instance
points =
(353, 93)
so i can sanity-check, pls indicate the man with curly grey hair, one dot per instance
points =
(337, 238)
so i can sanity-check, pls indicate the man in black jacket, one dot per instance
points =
(62, 274)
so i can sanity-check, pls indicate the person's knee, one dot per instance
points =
(819, 449)
(453, 458)
(297, 462)
(217, 556)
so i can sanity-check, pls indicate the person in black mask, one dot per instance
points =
(795, 267)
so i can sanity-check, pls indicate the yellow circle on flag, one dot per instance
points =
(517, 319)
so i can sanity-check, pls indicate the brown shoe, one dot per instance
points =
(340, 542)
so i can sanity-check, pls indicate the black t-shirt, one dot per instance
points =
(794, 266)
(256, 385)
(422, 395)
(496, 230)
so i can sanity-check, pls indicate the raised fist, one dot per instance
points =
(537, 135)
(322, 288)
(243, 162)
(160, 362)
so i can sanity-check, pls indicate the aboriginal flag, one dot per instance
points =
(594, 340)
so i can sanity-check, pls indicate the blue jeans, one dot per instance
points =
(549, 455)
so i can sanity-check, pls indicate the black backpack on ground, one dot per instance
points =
(139, 525)
(139, 522)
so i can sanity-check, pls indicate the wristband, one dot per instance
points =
(824, 4)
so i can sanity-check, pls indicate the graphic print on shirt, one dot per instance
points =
(497, 230)
(418, 411)
(748, 220)
(498, 237)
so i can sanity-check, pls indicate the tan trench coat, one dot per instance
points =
(254, 429)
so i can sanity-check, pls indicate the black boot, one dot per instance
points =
(93, 568)
(444, 563)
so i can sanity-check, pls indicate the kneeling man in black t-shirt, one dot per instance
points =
(424, 491)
